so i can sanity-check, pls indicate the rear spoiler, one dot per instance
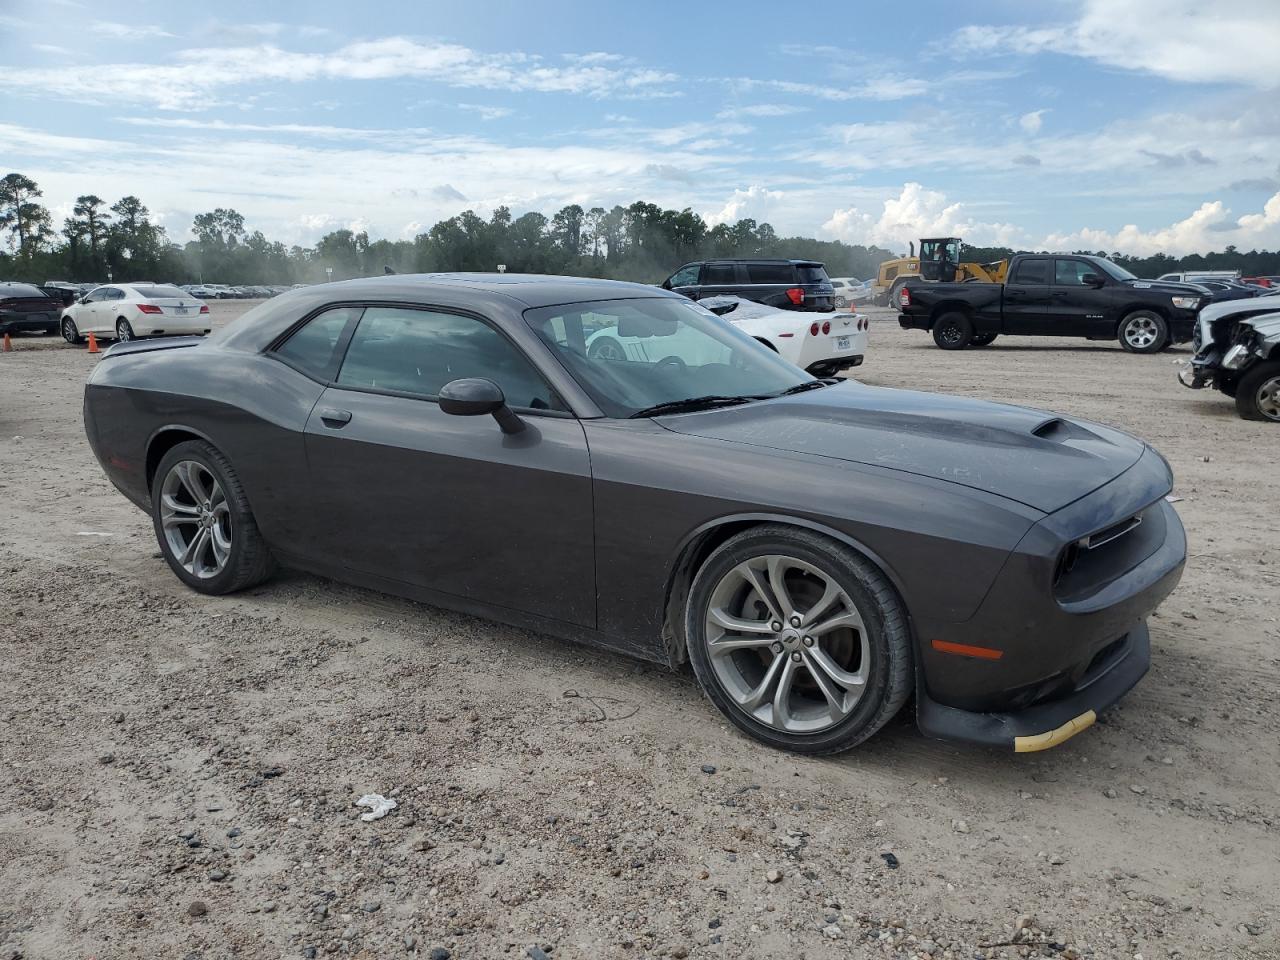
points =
(147, 346)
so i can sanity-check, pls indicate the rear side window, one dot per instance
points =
(773, 273)
(812, 274)
(313, 348)
(720, 273)
(1032, 271)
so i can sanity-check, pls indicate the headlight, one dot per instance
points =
(1186, 303)
(1235, 357)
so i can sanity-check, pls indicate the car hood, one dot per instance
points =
(1267, 327)
(1172, 287)
(1036, 458)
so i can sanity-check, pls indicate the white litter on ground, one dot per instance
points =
(91, 533)
(379, 806)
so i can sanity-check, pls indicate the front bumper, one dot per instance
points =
(1044, 725)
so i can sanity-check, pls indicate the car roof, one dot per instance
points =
(490, 293)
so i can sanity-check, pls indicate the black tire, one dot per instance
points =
(983, 339)
(70, 332)
(1143, 331)
(1227, 387)
(124, 331)
(606, 348)
(1258, 393)
(952, 331)
(889, 670)
(250, 561)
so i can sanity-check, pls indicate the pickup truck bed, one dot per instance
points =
(1055, 296)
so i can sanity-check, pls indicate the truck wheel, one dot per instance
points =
(952, 331)
(1143, 331)
(1258, 393)
(983, 339)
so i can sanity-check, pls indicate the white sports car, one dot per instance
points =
(123, 311)
(822, 344)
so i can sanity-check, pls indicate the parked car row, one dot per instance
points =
(221, 291)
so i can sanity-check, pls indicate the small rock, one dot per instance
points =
(1024, 922)
(117, 718)
(43, 804)
(1057, 860)
(217, 876)
(708, 768)
(537, 953)
(1136, 788)
(410, 941)
(714, 924)
(196, 909)
(959, 826)
(234, 832)
(832, 931)
(373, 906)
(774, 876)
(1110, 793)
(269, 907)
(309, 953)
(890, 860)
(438, 953)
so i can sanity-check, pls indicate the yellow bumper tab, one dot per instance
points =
(1043, 741)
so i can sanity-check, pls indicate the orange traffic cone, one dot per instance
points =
(8, 344)
(93, 343)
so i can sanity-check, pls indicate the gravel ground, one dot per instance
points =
(180, 771)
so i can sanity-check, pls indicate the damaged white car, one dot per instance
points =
(1237, 347)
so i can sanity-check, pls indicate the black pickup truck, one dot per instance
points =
(1055, 296)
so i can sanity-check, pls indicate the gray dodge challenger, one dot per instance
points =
(818, 551)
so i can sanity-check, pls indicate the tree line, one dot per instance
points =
(641, 242)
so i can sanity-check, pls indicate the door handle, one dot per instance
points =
(335, 418)
(1060, 293)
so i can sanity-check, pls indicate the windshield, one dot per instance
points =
(630, 355)
(1118, 273)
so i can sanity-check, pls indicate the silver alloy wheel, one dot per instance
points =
(787, 644)
(124, 332)
(1268, 398)
(1141, 332)
(606, 348)
(68, 330)
(196, 519)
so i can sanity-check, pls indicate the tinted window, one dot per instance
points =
(312, 348)
(772, 273)
(1032, 271)
(720, 273)
(160, 291)
(685, 276)
(812, 274)
(1072, 272)
(418, 352)
(20, 290)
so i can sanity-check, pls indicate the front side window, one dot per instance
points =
(418, 351)
(771, 273)
(313, 348)
(1032, 271)
(1072, 272)
(684, 277)
(633, 354)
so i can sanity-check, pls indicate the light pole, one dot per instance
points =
(328, 272)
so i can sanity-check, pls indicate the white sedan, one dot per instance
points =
(123, 311)
(821, 343)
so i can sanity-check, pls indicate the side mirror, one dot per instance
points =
(474, 397)
(1092, 280)
(666, 284)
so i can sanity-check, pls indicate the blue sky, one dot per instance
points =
(1132, 125)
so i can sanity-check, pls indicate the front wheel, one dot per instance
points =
(799, 641)
(952, 331)
(124, 331)
(203, 522)
(1143, 331)
(606, 348)
(1258, 393)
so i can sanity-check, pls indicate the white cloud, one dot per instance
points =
(761, 110)
(1224, 41)
(194, 81)
(885, 87)
(755, 202)
(126, 31)
(914, 213)
(1210, 227)
(1033, 121)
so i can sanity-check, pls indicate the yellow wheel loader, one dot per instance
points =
(939, 260)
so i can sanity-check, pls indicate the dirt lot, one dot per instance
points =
(179, 771)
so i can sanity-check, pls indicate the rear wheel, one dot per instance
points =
(1258, 393)
(983, 339)
(798, 640)
(124, 330)
(69, 331)
(203, 522)
(606, 348)
(952, 331)
(1143, 331)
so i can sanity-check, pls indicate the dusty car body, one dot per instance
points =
(998, 563)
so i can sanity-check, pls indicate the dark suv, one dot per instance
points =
(788, 284)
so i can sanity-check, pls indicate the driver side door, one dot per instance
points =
(406, 492)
